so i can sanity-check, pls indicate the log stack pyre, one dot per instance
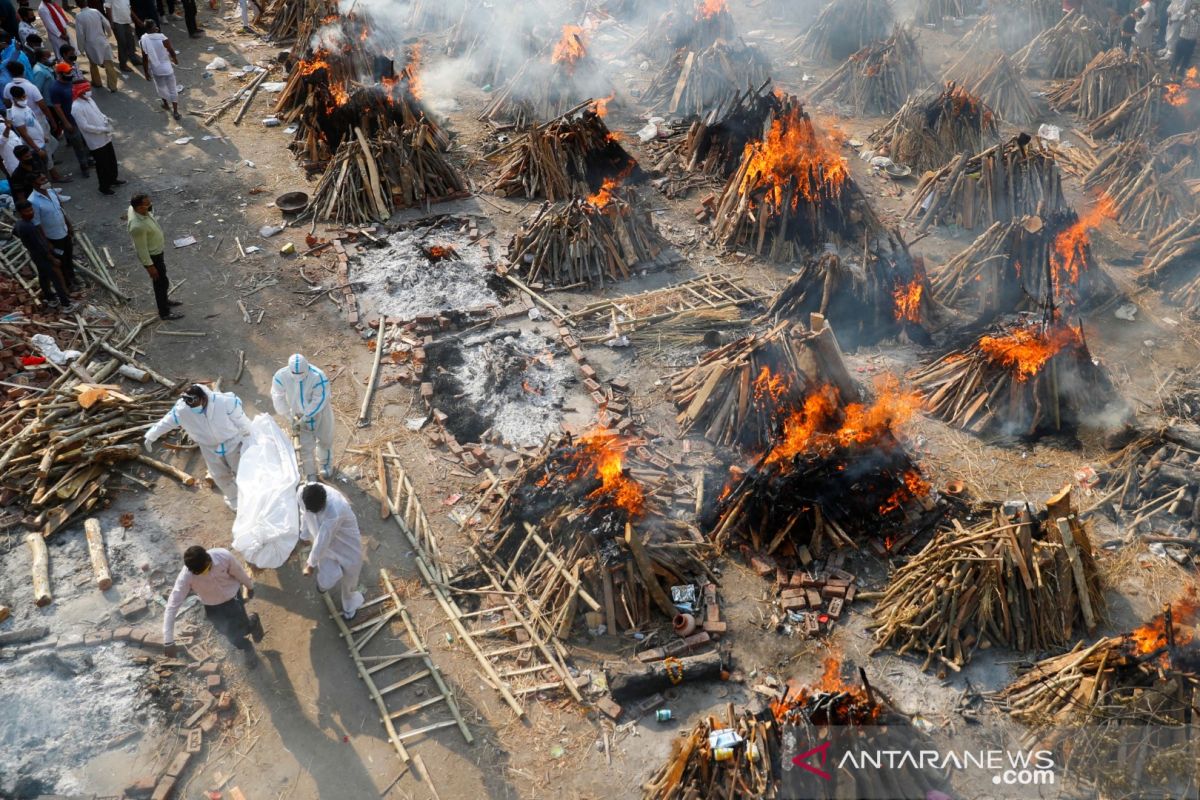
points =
(879, 78)
(691, 25)
(995, 80)
(1028, 263)
(1021, 580)
(1171, 263)
(293, 19)
(844, 27)
(570, 156)
(1003, 183)
(1030, 376)
(714, 144)
(934, 123)
(1010, 25)
(887, 296)
(1106, 82)
(1151, 188)
(1137, 116)
(792, 193)
(693, 83)
(1158, 484)
(590, 241)
(1064, 50)
(545, 88)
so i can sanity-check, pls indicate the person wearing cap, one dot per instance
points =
(223, 588)
(57, 24)
(97, 130)
(300, 392)
(148, 239)
(217, 423)
(91, 34)
(328, 521)
(62, 100)
(158, 64)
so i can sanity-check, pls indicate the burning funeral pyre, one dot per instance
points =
(545, 88)
(693, 83)
(1064, 50)
(1150, 188)
(878, 78)
(933, 123)
(881, 299)
(791, 193)
(1005, 182)
(1105, 83)
(1029, 376)
(1027, 264)
(600, 239)
(692, 25)
(568, 157)
(1140, 115)
(995, 81)
(1159, 485)
(844, 27)
(947, 601)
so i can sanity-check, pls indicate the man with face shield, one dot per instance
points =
(301, 392)
(217, 423)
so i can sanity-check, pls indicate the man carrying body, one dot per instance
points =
(217, 423)
(300, 392)
(327, 519)
(218, 579)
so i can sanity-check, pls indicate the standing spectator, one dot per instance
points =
(25, 123)
(143, 12)
(1129, 28)
(158, 60)
(68, 55)
(29, 166)
(42, 256)
(121, 15)
(189, 18)
(1185, 48)
(9, 142)
(62, 98)
(57, 24)
(147, 239)
(8, 17)
(91, 32)
(25, 28)
(37, 104)
(97, 131)
(11, 51)
(43, 74)
(30, 47)
(1143, 31)
(49, 214)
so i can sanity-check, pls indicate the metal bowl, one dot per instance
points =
(292, 202)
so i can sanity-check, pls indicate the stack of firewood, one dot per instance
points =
(934, 123)
(1157, 485)
(995, 81)
(693, 82)
(1137, 116)
(589, 242)
(1026, 377)
(1146, 186)
(714, 145)
(1004, 182)
(543, 89)
(689, 25)
(563, 158)
(934, 12)
(878, 78)
(1171, 263)
(287, 18)
(1106, 82)
(1010, 25)
(947, 601)
(696, 769)
(1064, 50)
(844, 27)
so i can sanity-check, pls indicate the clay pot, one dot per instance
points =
(685, 624)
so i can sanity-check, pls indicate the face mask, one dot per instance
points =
(20, 104)
(86, 95)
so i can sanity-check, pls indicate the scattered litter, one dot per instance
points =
(49, 348)
(184, 140)
(217, 63)
(185, 241)
(415, 423)
(253, 249)
(1051, 133)
(274, 87)
(272, 122)
(267, 231)
(1127, 312)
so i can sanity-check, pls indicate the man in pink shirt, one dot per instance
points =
(217, 578)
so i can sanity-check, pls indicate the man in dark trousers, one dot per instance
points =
(147, 239)
(42, 255)
(49, 214)
(218, 579)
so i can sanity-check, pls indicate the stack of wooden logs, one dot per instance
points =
(934, 123)
(1019, 580)
(1106, 82)
(844, 27)
(878, 78)
(1137, 116)
(714, 144)
(1171, 263)
(693, 83)
(1005, 182)
(1156, 484)
(586, 242)
(543, 90)
(1146, 186)
(1064, 50)
(291, 19)
(321, 130)
(995, 81)
(740, 393)
(695, 770)
(369, 178)
(566, 157)
(1026, 378)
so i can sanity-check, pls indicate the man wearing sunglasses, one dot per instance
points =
(217, 423)
(218, 579)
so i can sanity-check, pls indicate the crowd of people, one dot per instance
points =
(1167, 30)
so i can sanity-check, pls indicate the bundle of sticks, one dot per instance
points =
(879, 77)
(714, 144)
(1137, 116)
(1005, 182)
(1170, 263)
(369, 178)
(791, 193)
(1106, 82)
(693, 83)
(842, 28)
(1157, 485)
(1018, 580)
(933, 123)
(695, 769)
(1026, 377)
(933, 12)
(322, 129)
(996, 82)
(542, 90)
(563, 158)
(1064, 50)
(287, 18)
(590, 241)
(319, 79)
(1145, 186)
(739, 393)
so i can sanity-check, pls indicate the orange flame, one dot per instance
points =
(1153, 635)
(793, 152)
(601, 107)
(1178, 94)
(1027, 349)
(412, 71)
(1069, 256)
(709, 8)
(604, 196)
(770, 389)
(907, 301)
(571, 47)
(856, 707)
(599, 454)
(914, 486)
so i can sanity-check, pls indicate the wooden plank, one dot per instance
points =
(647, 571)
(1081, 586)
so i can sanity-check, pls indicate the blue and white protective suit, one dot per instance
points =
(220, 429)
(302, 391)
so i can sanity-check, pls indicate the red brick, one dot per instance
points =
(213, 682)
(164, 790)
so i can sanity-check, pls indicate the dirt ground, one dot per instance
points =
(310, 728)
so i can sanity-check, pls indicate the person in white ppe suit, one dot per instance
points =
(217, 423)
(300, 392)
(327, 519)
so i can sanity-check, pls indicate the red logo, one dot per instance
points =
(821, 750)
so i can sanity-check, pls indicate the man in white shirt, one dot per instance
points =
(91, 35)
(158, 64)
(327, 519)
(57, 24)
(123, 19)
(217, 579)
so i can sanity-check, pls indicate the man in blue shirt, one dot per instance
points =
(60, 100)
(48, 213)
(42, 255)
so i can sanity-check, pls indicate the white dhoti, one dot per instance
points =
(166, 87)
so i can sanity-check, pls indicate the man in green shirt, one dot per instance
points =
(147, 239)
